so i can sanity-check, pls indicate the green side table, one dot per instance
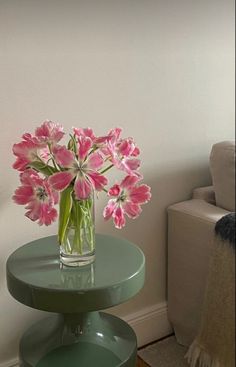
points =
(77, 334)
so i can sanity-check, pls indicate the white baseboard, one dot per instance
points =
(149, 324)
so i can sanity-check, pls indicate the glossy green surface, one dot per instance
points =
(90, 339)
(35, 276)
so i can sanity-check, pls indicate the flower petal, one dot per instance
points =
(115, 133)
(52, 195)
(98, 180)
(140, 194)
(82, 188)
(49, 132)
(30, 137)
(114, 190)
(135, 152)
(84, 132)
(94, 161)
(84, 145)
(132, 164)
(129, 181)
(26, 151)
(55, 197)
(34, 210)
(63, 156)
(22, 149)
(23, 195)
(30, 177)
(131, 209)
(20, 164)
(109, 209)
(102, 139)
(128, 165)
(126, 147)
(42, 212)
(47, 214)
(118, 216)
(59, 181)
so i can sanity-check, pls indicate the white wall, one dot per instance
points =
(162, 69)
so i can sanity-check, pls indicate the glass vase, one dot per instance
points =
(77, 247)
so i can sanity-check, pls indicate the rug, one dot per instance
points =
(165, 353)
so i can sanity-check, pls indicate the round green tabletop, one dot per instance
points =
(36, 278)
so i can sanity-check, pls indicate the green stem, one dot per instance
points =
(106, 169)
(93, 150)
(77, 224)
(82, 226)
(74, 142)
(52, 157)
(45, 165)
(90, 224)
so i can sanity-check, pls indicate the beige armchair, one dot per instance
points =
(190, 237)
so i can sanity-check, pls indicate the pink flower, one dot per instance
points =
(49, 132)
(88, 133)
(111, 139)
(83, 170)
(27, 151)
(128, 165)
(38, 197)
(122, 153)
(128, 198)
(127, 148)
(80, 166)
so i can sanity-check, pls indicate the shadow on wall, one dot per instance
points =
(168, 188)
(21, 317)
(5, 198)
(149, 230)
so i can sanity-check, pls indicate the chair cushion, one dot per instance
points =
(222, 166)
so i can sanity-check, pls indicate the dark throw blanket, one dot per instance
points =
(225, 228)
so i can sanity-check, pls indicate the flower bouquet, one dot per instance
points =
(51, 173)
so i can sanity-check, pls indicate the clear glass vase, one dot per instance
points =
(77, 247)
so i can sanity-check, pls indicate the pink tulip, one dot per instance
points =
(128, 198)
(111, 139)
(49, 132)
(81, 165)
(122, 153)
(27, 151)
(38, 197)
(126, 148)
(83, 170)
(88, 132)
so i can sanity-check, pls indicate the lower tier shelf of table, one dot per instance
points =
(79, 340)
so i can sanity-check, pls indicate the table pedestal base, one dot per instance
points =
(79, 340)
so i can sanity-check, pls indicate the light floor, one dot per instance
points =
(164, 353)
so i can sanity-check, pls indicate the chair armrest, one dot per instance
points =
(205, 193)
(190, 237)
